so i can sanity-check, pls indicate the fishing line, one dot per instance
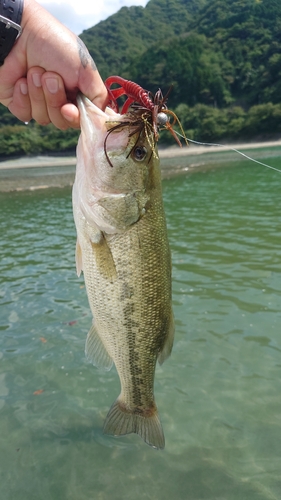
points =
(232, 149)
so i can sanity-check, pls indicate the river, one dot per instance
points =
(219, 392)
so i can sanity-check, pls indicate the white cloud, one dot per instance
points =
(82, 14)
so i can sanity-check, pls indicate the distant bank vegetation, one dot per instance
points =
(223, 58)
(200, 123)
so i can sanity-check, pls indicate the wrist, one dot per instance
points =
(30, 8)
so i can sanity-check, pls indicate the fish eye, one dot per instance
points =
(140, 153)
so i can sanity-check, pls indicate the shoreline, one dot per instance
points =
(169, 152)
(58, 171)
(192, 149)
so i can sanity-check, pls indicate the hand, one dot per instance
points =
(45, 69)
(42, 96)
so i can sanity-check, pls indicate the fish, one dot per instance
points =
(123, 250)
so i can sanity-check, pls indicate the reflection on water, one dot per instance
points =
(218, 394)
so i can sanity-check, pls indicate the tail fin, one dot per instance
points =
(120, 421)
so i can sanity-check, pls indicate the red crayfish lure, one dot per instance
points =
(156, 104)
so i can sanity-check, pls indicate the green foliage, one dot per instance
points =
(205, 123)
(123, 37)
(17, 140)
(223, 58)
(263, 119)
(248, 32)
(32, 139)
(188, 63)
(238, 61)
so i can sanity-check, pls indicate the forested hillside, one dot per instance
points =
(121, 39)
(223, 58)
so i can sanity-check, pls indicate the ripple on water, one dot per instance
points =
(219, 393)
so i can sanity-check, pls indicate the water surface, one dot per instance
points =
(219, 393)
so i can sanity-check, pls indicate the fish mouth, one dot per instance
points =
(115, 134)
(109, 120)
(97, 124)
(92, 117)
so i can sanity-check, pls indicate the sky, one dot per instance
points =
(78, 15)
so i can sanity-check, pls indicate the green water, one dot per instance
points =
(219, 395)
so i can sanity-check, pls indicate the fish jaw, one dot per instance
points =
(90, 149)
(94, 139)
(92, 120)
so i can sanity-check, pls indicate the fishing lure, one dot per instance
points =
(155, 104)
(133, 91)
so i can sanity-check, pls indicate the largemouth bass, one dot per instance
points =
(123, 250)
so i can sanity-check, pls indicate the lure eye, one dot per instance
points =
(140, 153)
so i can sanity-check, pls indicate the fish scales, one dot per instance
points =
(127, 272)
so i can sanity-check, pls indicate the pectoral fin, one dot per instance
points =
(96, 352)
(168, 345)
(104, 258)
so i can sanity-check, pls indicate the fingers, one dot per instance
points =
(55, 98)
(20, 103)
(48, 99)
(92, 85)
(71, 115)
(38, 103)
(47, 96)
(42, 96)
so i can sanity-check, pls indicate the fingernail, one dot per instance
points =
(52, 85)
(23, 88)
(36, 78)
(70, 119)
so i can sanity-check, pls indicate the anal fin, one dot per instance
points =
(95, 351)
